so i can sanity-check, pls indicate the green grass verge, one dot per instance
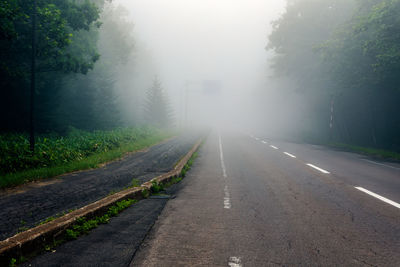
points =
(82, 226)
(91, 161)
(373, 152)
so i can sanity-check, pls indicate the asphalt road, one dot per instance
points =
(248, 203)
(29, 204)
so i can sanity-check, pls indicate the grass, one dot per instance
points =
(78, 151)
(373, 152)
(84, 226)
(81, 226)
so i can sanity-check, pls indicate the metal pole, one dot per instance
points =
(33, 78)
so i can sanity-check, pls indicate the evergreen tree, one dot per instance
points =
(157, 110)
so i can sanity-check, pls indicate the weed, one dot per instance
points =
(156, 187)
(49, 219)
(112, 192)
(13, 262)
(22, 229)
(145, 193)
(135, 182)
(83, 226)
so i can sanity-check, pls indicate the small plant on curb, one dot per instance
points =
(156, 187)
(83, 225)
(80, 227)
(135, 182)
(13, 262)
(189, 164)
(145, 193)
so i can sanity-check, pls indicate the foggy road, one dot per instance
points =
(252, 202)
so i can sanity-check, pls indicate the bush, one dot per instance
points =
(53, 150)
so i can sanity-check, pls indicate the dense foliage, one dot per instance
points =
(56, 150)
(82, 49)
(344, 55)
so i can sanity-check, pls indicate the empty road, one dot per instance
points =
(249, 201)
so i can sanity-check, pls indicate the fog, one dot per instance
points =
(302, 70)
(199, 47)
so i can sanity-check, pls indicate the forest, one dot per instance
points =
(76, 80)
(342, 59)
(93, 85)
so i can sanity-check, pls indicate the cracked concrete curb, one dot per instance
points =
(34, 239)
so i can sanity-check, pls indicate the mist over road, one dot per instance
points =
(252, 202)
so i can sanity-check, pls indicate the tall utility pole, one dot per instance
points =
(33, 81)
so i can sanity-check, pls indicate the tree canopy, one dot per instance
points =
(347, 52)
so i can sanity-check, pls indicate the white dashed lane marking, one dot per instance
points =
(290, 155)
(227, 200)
(384, 199)
(264, 142)
(235, 262)
(318, 168)
(274, 147)
(221, 155)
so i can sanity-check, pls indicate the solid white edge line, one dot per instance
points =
(274, 147)
(318, 168)
(381, 164)
(290, 155)
(384, 199)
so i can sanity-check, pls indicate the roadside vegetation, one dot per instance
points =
(78, 150)
(83, 225)
(337, 67)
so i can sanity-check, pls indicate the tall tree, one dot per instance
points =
(57, 50)
(157, 110)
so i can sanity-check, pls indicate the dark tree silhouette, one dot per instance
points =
(157, 110)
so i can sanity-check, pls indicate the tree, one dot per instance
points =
(59, 50)
(348, 52)
(157, 110)
(300, 73)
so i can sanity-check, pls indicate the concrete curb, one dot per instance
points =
(31, 240)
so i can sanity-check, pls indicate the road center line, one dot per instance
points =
(227, 200)
(221, 156)
(235, 262)
(274, 147)
(290, 155)
(318, 168)
(384, 199)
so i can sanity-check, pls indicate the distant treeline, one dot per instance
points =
(342, 55)
(83, 47)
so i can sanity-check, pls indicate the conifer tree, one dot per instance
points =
(157, 110)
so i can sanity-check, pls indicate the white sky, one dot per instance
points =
(206, 39)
